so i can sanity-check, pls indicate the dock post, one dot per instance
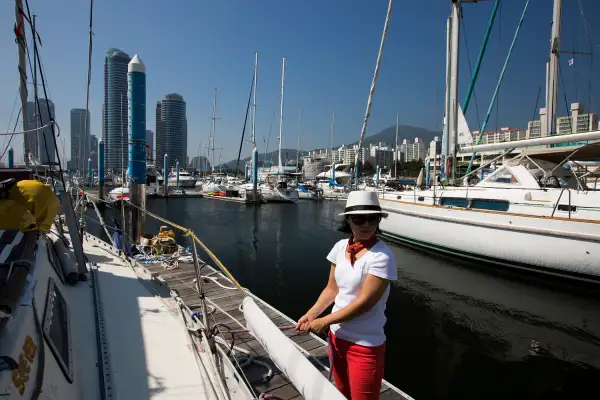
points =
(177, 174)
(166, 175)
(136, 74)
(101, 169)
(377, 176)
(90, 173)
(11, 158)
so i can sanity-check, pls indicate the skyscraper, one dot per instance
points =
(41, 145)
(79, 129)
(114, 110)
(171, 129)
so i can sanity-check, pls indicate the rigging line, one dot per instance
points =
(62, 177)
(237, 165)
(87, 90)
(500, 65)
(11, 137)
(29, 130)
(36, 102)
(269, 136)
(499, 83)
(12, 114)
(373, 84)
(464, 32)
(562, 82)
(537, 99)
(200, 243)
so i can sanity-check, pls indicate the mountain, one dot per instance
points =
(408, 132)
(288, 157)
(386, 136)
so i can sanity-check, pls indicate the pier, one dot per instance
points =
(221, 294)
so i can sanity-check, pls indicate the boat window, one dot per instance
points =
(504, 176)
(57, 329)
(454, 202)
(489, 204)
(421, 198)
(565, 207)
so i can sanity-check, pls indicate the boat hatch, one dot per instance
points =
(475, 204)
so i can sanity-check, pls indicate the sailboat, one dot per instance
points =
(81, 319)
(277, 186)
(534, 213)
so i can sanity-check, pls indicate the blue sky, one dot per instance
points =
(191, 47)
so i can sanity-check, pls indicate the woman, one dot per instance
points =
(359, 283)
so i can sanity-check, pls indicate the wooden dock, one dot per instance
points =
(227, 311)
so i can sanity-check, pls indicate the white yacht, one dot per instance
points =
(278, 188)
(151, 189)
(532, 213)
(186, 180)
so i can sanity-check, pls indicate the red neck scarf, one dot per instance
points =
(356, 247)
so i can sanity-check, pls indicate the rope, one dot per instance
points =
(87, 90)
(60, 170)
(372, 90)
(497, 89)
(190, 233)
(31, 130)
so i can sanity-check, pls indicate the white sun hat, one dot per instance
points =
(363, 202)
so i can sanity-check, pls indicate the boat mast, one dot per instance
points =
(254, 102)
(396, 150)
(36, 106)
(281, 113)
(254, 149)
(298, 149)
(20, 39)
(552, 72)
(331, 144)
(452, 118)
(212, 129)
(122, 155)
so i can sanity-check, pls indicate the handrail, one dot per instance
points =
(190, 233)
(558, 202)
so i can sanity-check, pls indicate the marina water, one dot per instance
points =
(454, 329)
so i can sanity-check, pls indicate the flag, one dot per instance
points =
(571, 62)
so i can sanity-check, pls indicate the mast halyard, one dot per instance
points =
(212, 130)
(281, 113)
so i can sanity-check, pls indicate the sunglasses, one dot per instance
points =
(371, 219)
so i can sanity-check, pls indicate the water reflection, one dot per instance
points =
(454, 329)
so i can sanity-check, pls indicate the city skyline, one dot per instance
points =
(330, 56)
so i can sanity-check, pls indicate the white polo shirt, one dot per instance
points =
(366, 329)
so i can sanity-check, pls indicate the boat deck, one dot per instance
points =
(226, 300)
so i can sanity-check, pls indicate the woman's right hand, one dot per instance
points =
(305, 320)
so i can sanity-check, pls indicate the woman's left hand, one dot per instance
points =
(319, 325)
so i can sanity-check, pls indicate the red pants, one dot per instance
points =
(357, 370)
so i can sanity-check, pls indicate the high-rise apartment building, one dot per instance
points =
(171, 129)
(114, 111)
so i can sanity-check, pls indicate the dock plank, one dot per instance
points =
(226, 303)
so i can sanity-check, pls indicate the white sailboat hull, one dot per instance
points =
(555, 246)
(279, 195)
